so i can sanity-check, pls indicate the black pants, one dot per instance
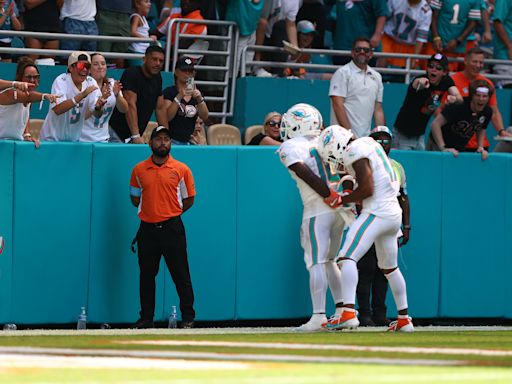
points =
(371, 281)
(167, 239)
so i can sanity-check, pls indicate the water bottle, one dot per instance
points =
(10, 327)
(82, 320)
(173, 318)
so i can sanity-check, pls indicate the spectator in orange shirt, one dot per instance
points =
(162, 188)
(474, 62)
(190, 9)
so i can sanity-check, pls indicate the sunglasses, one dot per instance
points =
(32, 77)
(436, 66)
(362, 49)
(81, 65)
(274, 123)
(383, 141)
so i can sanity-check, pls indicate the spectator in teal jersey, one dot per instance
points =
(503, 40)
(452, 23)
(8, 21)
(245, 13)
(364, 18)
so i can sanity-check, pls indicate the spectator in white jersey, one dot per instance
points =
(96, 127)
(356, 92)
(65, 119)
(406, 30)
(16, 99)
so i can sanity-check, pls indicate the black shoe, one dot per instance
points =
(381, 321)
(143, 324)
(187, 324)
(366, 321)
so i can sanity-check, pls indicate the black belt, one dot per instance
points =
(161, 224)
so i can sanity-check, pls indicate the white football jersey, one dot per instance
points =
(67, 126)
(303, 150)
(95, 129)
(383, 202)
(408, 24)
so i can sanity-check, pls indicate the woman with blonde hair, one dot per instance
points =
(271, 128)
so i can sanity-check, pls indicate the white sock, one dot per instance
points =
(318, 287)
(349, 278)
(334, 280)
(397, 284)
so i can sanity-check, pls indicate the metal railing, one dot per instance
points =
(226, 86)
(407, 71)
(63, 36)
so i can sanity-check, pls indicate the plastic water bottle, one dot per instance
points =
(82, 320)
(10, 327)
(173, 318)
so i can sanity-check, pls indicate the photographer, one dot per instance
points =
(184, 103)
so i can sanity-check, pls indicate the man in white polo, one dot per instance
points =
(356, 92)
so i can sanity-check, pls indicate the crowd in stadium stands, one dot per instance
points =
(473, 29)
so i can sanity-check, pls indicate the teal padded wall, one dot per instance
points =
(113, 292)
(114, 279)
(68, 223)
(52, 197)
(211, 232)
(507, 267)
(420, 259)
(473, 243)
(270, 259)
(6, 220)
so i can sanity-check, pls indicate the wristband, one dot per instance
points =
(13, 84)
(27, 135)
(201, 101)
(135, 136)
(501, 130)
(74, 101)
(436, 38)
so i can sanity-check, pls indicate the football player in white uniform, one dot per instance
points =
(379, 221)
(65, 118)
(322, 225)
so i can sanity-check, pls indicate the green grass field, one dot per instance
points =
(256, 356)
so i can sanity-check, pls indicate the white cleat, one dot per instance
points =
(313, 325)
(403, 324)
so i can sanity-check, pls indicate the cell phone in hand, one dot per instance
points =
(190, 85)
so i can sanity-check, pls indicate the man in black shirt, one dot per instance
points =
(142, 89)
(452, 129)
(424, 96)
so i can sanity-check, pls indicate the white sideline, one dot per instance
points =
(128, 354)
(325, 347)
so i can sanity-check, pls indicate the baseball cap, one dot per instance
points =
(77, 56)
(160, 130)
(381, 129)
(185, 63)
(306, 26)
(440, 58)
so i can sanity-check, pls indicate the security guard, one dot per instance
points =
(162, 188)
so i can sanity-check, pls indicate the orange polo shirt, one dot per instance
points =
(462, 84)
(161, 189)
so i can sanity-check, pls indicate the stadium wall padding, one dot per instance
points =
(256, 96)
(68, 224)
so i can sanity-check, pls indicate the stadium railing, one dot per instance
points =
(407, 71)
